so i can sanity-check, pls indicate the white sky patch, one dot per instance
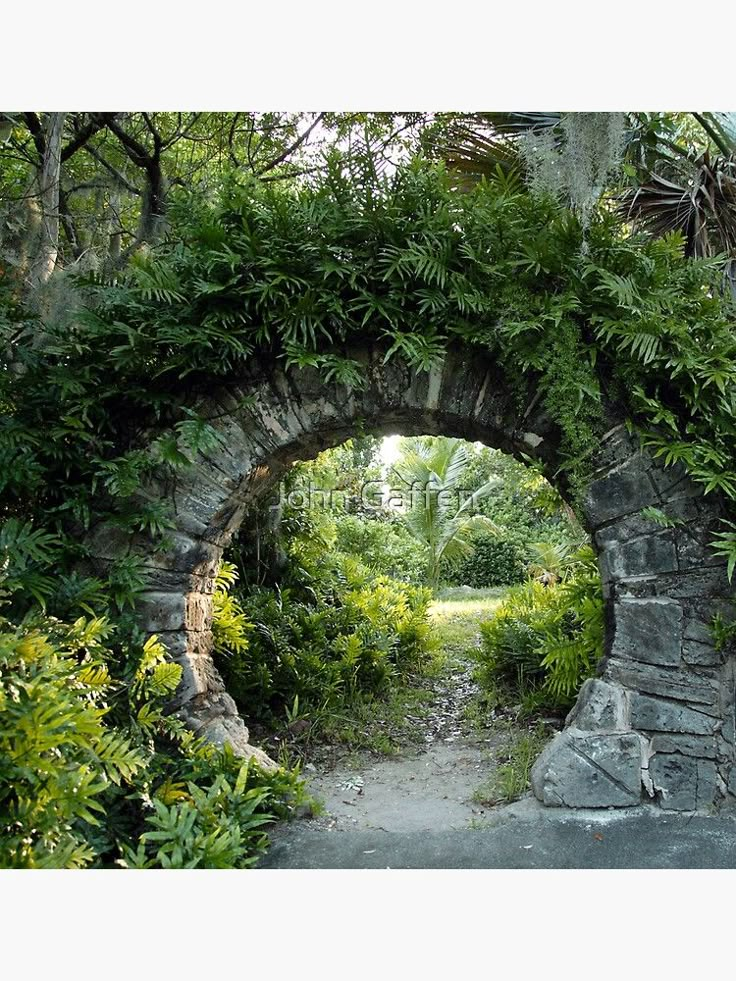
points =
(390, 451)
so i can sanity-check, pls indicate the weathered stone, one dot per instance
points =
(675, 779)
(660, 715)
(230, 730)
(704, 655)
(707, 789)
(617, 445)
(162, 611)
(625, 489)
(640, 524)
(679, 685)
(198, 612)
(646, 556)
(589, 770)
(600, 707)
(648, 630)
(694, 584)
(732, 781)
(698, 631)
(665, 479)
(700, 746)
(195, 679)
(693, 547)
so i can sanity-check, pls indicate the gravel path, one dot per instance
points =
(428, 785)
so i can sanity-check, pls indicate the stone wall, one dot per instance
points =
(659, 721)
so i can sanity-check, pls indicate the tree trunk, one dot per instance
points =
(46, 248)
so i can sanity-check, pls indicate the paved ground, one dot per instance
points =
(429, 790)
(524, 835)
(420, 809)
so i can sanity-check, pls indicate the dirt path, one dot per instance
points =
(429, 784)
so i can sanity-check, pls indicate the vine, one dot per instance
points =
(294, 274)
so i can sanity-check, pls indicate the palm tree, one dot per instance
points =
(439, 514)
(678, 170)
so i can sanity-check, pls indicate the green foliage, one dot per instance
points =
(660, 518)
(403, 261)
(87, 751)
(57, 757)
(298, 272)
(724, 632)
(216, 828)
(494, 561)
(525, 509)
(437, 512)
(516, 758)
(725, 545)
(340, 632)
(230, 626)
(384, 545)
(544, 641)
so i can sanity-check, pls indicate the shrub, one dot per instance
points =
(544, 641)
(93, 773)
(495, 561)
(345, 636)
(385, 546)
(57, 756)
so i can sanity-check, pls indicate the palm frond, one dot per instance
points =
(699, 202)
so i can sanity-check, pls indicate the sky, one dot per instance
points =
(389, 451)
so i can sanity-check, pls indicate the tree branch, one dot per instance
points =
(293, 147)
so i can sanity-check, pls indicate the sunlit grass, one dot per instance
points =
(458, 617)
(464, 608)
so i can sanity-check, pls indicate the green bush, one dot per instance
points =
(544, 641)
(346, 634)
(92, 770)
(495, 561)
(385, 546)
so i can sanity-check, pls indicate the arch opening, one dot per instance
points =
(657, 724)
(365, 607)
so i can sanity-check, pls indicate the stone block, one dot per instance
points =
(675, 780)
(707, 789)
(698, 655)
(648, 630)
(160, 612)
(625, 489)
(600, 706)
(732, 781)
(198, 612)
(693, 546)
(665, 479)
(696, 585)
(682, 686)
(697, 631)
(194, 679)
(660, 715)
(590, 770)
(702, 747)
(649, 555)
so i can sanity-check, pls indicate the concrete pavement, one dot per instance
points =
(524, 835)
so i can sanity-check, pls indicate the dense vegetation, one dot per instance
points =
(109, 329)
(546, 638)
(92, 769)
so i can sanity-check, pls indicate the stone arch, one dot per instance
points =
(658, 722)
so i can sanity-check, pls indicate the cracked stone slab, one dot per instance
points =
(581, 769)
